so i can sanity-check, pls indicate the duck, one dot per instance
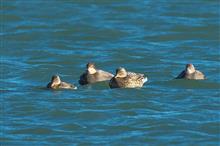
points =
(93, 75)
(191, 73)
(124, 79)
(56, 83)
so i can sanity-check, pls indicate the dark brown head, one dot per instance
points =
(90, 65)
(121, 73)
(190, 68)
(91, 68)
(55, 80)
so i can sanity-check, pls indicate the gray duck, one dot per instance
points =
(93, 75)
(191, 73)
(56, 83)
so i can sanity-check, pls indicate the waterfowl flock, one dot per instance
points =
(121, 79)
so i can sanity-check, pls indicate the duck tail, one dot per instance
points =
(145, 80)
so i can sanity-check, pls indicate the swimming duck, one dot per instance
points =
(93, 75)
(56, 83)
(124, 79)
(191, 73)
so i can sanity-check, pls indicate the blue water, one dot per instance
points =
(157, 38)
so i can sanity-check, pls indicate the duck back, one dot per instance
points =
(132, 80)
(99, 76)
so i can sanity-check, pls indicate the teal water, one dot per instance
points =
(157, 38)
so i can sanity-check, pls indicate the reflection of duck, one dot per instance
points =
(56, 83)
(191, 73)
(93, 75)
(124, 79)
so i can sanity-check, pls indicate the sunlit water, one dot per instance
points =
(157, 38)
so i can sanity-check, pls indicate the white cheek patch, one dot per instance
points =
(92, 70)
(189, 70)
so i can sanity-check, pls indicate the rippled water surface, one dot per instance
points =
(44, 37)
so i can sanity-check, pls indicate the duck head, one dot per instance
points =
(121, 73)
(55, 80)
(190, 68)
(91, 68)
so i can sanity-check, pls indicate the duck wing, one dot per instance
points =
(199, 75)
(137, 78)
(103, 75)
(65, 85)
